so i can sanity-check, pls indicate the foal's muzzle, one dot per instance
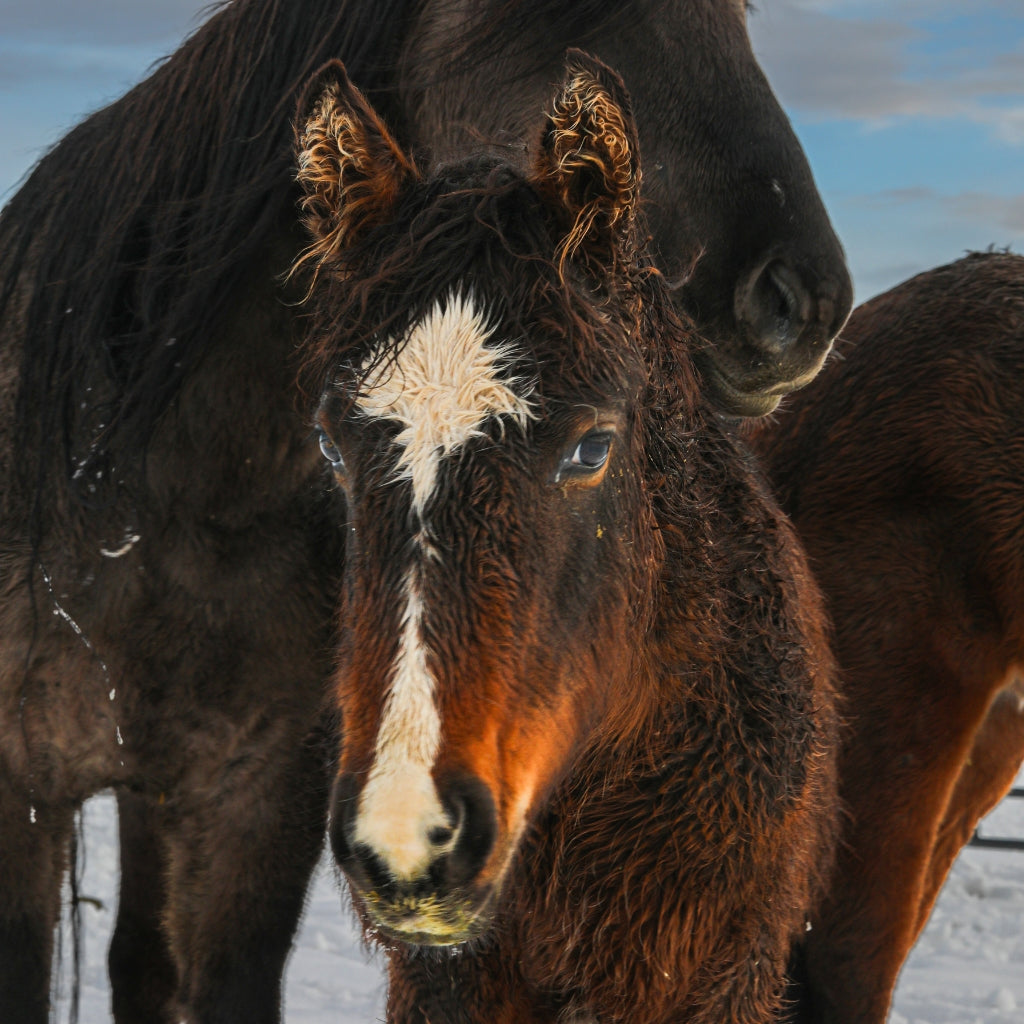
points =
(446, 901)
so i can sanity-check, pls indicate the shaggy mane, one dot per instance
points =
(133, 234)
(446, 235)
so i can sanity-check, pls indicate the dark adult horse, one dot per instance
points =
(903, 469)
(168, 551)
(585, 686)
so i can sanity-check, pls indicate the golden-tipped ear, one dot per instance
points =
(588, 161)
(350, 168)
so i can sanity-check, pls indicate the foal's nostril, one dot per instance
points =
(409, 851)
(440, 836)
(358, 861)
(470, 807)
(367, 869)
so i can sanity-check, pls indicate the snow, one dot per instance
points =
(967, 968)
(968, 965)
(331, 979)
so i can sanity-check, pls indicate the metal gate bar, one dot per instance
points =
(1000, 844)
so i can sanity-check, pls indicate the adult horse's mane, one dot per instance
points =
(129, 238)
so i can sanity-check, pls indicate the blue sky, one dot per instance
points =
(911, 111)
(912, 115)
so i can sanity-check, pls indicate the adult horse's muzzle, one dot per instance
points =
(776, 337)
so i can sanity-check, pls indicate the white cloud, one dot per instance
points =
(897, 9)
(984, 209)
(875, 62)
(1004, 212)
(105, 21)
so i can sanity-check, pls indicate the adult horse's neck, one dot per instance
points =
(479, 73)
(135, 240)
(131, 239)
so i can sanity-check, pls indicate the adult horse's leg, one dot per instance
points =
(240, 856)
(898, 770)
(142, 972)
(33, 857)
(985, 777)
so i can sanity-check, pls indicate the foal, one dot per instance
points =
(903, 470)
(586, 767)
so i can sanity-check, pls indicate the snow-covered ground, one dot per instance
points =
(968, 967)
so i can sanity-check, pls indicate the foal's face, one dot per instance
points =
(493, 522)
(478, 334)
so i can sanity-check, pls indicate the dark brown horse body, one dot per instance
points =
(586, 693)
(168, 553)
(903, 470)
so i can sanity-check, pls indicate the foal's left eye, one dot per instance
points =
(592, 452)
(330, 450)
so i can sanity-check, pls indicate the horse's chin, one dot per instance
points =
(747, 399)
(437, 922)
(388, 937)
(730, 399)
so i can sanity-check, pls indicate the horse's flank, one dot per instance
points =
(902, 468)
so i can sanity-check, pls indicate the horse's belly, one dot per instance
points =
(60, 736)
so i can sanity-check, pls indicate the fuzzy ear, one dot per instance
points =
(350, 167)
(588, 161)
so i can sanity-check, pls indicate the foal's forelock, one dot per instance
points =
(442, 386)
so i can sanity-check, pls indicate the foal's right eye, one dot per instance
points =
(330, 450)
(585, 464)
(592, 452)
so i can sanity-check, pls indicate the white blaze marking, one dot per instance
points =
(444, 386)
(399, 804)
(442, 389)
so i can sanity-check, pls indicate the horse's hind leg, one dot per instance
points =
(142, 972)
(985, 778)
(899, 768)
(239, 863)
(33, 858)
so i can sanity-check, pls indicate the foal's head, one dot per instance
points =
(481, 335)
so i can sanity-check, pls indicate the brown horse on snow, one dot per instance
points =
(168, 554)
(903, 470)
(587, 702)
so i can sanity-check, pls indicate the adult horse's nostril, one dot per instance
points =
(774, 305)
